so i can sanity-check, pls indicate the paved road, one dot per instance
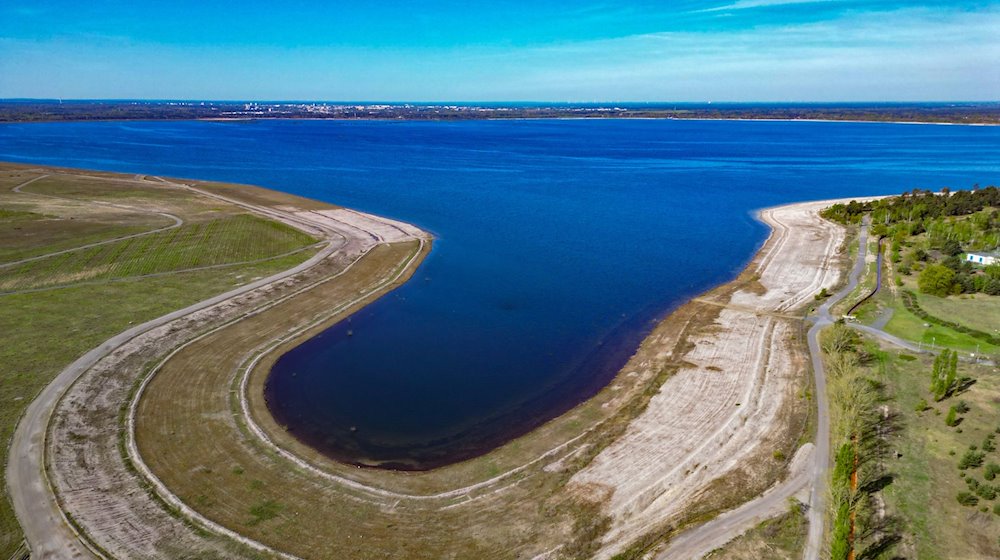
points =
(821, 455)
(46, 530)
(704, 538)
(699, 541)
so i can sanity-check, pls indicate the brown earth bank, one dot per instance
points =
(165, 445)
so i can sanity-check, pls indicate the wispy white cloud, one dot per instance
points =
(748, 4)
(901, 54)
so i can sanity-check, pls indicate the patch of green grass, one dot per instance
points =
(978, 311)
(264, 511)
(908, 326)
(238, 238)
(11, 215)
(31, 238)
(926, 478)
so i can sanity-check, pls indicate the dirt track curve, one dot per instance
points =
(47, 531)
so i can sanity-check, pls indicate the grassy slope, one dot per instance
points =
(229, 239)
(978, 311)
(926, 477)
(47, 330)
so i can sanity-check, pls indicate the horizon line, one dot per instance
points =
(489, 102)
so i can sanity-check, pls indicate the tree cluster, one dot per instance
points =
(916, 207)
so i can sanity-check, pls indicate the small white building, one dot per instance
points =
(984, 259)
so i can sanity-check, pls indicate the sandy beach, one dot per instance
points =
(725, 413)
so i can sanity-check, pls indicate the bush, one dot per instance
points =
(952, 419)
(966, 499)
(921, 406)
(986, 491)
(971, 460)
(951, 248)
(991, 472)
(936, 280)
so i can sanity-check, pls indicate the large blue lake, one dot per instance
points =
(558, 245)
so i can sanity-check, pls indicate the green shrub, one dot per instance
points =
(967, 499)
(937, 280)
(991, 472)
(952, 419)
(921, 405)
(840, 549)
(986, 491)
(971, 460)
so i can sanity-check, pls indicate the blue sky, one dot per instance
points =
(543, 50)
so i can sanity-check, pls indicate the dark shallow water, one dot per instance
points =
(559, 244)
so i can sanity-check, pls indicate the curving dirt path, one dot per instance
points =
(176, 219)
(821, 460)
(47, 531)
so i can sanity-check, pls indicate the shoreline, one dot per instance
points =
(659, 351)
(47, 525)
(653, 495)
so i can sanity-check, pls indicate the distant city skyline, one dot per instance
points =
(545, 51)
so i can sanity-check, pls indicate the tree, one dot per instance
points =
(936, 280)
(951, 248)
(943, 374)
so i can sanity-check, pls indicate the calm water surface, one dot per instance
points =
(558, 245)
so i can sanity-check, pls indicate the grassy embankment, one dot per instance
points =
(54, 309)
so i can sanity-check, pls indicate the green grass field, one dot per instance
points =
(978, 311)
(45, 331)
(926, 478)
(232, 239)
(910, 327)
